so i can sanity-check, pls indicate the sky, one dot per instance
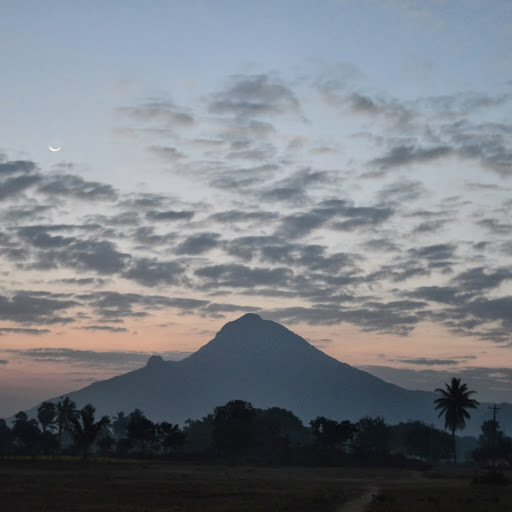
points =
(343, 167)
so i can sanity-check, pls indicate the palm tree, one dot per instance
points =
(66, 409)
(85, 430)
(46, 414)
(119, 423)
(452, 403)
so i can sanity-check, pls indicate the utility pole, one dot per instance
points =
(494, 410)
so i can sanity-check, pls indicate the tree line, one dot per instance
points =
(238, 431)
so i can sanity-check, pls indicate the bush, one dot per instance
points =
(492, 476)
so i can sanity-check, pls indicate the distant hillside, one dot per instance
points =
(263, 362)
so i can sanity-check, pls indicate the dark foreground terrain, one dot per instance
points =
(136, 486)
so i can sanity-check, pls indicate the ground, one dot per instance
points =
(135, 486)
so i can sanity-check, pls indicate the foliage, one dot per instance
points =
(119, 423)
(417, 439)
(199, 435)
(170, 436)
(66, 411)
(332, 434)
(25, 434)
(373, 437)
(85, 430)
(453, 404)
(236, 430)
(233, 427)
(46, 414)
(5, 438)
(141, 431)
(493, 444)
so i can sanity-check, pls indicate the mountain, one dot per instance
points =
(262, 362)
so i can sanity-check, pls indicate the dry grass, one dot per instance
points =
(158, 486)
(135, 486)
(442, 491)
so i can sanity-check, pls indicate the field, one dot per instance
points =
(135, 486)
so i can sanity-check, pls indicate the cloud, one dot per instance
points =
(403, 191)
(237, 216)
(114, 306)
(479, 279)
(241, 178)
(254, 95)
(161, 111)
(199, 244)
(363, 217)
(32, 308)
(17, 330)
(434, 253)
(241, 276)
(424, 361)
(106, 328)
(300, 224)
(84, 281)
(215, 308)
(16, 167)
(431, 226)
(492, 384)
(363, 104)
(395, 317)
(24, 212)
(169, 215)
(297, 187)
(169, 154)
(98, 255)
(12, 187)
(75, 187)
(495, 226)
(441, 294)
(406, 155)
(381, 245)
(38, 236)
(114, 360)
(152, 272)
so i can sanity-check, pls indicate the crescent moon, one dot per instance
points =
(51, 148)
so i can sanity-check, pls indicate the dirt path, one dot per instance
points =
(361, 503)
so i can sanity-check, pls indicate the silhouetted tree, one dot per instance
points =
(105, 441)
(66, 410)
(170, 436)
(85, 430)
(373, 437)
(452, 404)
(332, 434)
(140, 431)
(199, 435)
(46, 414)
(418, 439)
(119, 423)
(26, 434)
(5, 438)
(283, 423)
(492, 443)
(233, 428)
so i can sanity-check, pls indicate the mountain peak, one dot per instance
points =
(252, 336)
(155, 361)
(249, 317)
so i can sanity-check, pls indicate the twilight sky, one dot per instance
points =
(343, 167)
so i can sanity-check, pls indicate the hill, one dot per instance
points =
(262, 362)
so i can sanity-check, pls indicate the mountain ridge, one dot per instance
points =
(265, 363)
